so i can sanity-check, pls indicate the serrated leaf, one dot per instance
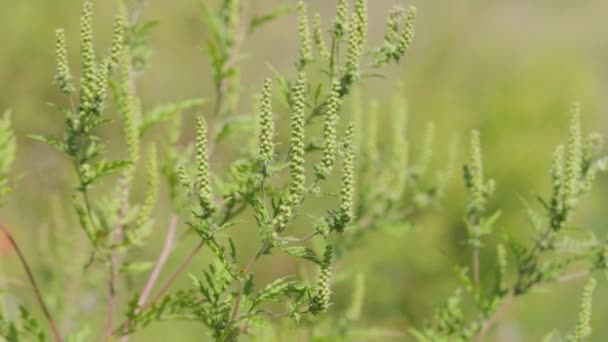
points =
(259, 21)
(166, 112)
(300, 252)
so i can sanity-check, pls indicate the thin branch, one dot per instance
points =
(160, 263)
(507, 301)
(162, 259)
(34, 284)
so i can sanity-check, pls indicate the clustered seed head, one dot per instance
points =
(203, 177)
(361, 13)
(184, 179)
(117, 41)
(296, 162)
(356, 38)
(407, 35)
(573, 160)
(317, 34)
(63, 76)
(347, 189)
(329, 128)
(583, 327)
(320, 301)
(341, 21)
(392, 28)
(304, 33)
(267, 129)
(87, 51)
(102, 84)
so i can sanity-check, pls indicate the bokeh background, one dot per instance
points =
(508, 68)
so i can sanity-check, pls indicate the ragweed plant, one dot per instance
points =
(546, 259)
(332, 155)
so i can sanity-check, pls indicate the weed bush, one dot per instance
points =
(332, 155)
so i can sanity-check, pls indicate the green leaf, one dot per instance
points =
(300, 252)
(137, 267)
(259, 21)
(51, 141)
(234, 125)
(166, 112)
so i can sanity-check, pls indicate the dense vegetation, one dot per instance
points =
(315, 193)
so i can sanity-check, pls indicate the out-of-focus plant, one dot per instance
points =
(555, 248)
(333, 156)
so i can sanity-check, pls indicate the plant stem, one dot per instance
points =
(160, 263)
(34, 284)
(508, 299)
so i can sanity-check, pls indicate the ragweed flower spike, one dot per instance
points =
(203, 177)
(117, 41)
(347, 189)
(407, 35)
(329, 129)
(102, 85)
(127, 109)
(63, 76)
(296, 162)
(574, 159)
(267, 129)
(320, 301)
(184, 179)
(87, 51)
(392, 28)
(583, 327)
(304, 33)
(474, 179)
(355, 46)
(317, 34)
(557, 188)
(361, 13)
(341, 22)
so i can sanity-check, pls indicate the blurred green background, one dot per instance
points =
(508, 68)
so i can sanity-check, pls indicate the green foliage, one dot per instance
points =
(368, 183)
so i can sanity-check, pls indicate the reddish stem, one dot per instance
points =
(32, 280)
